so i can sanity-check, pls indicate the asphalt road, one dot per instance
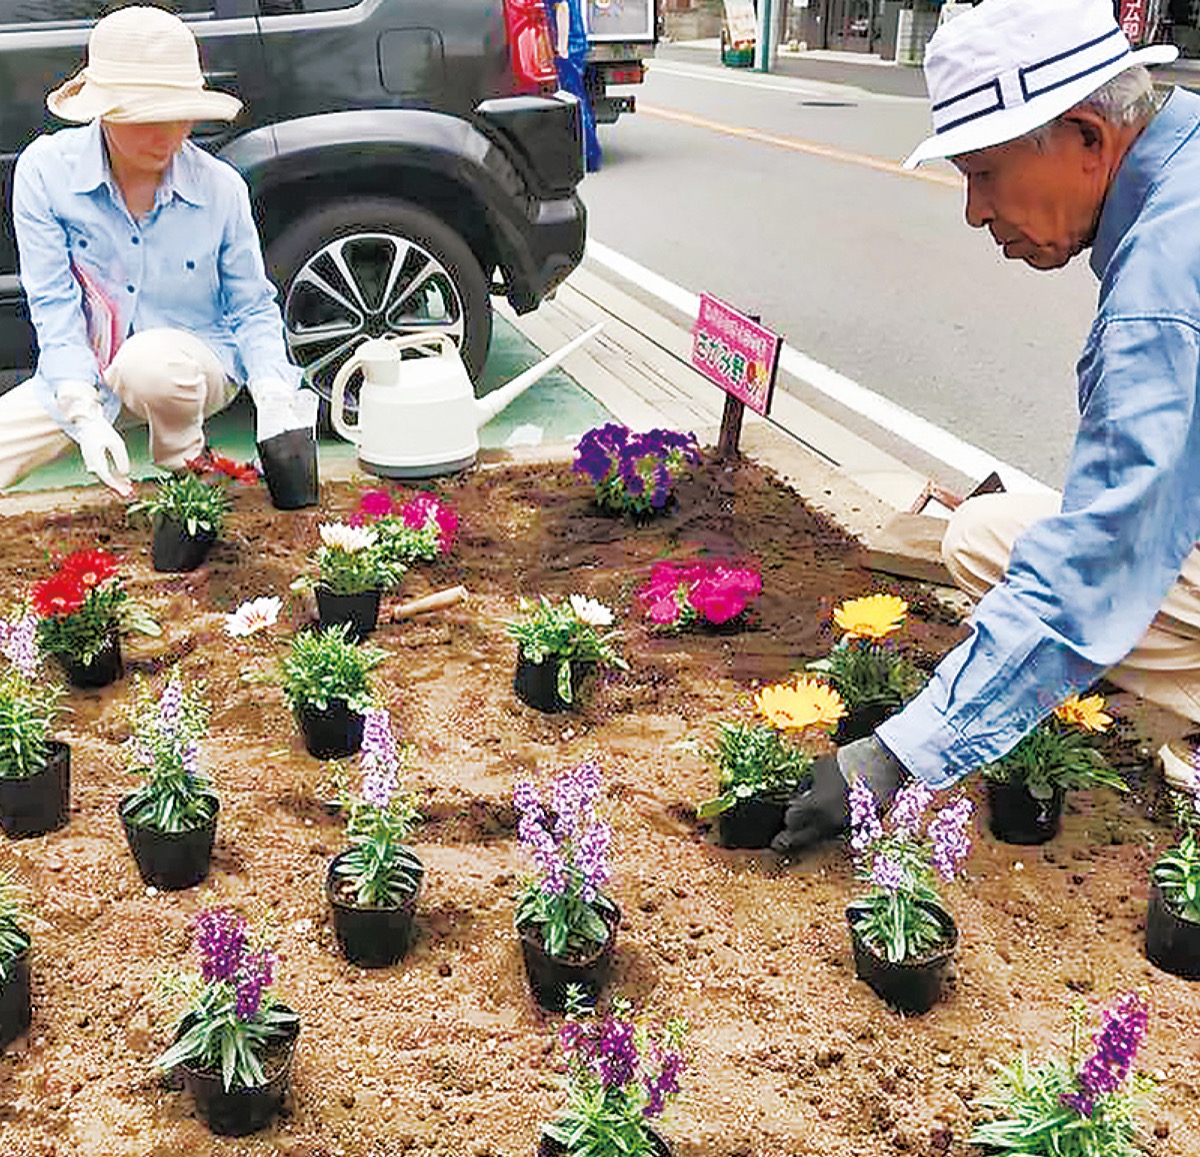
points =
(782, 195)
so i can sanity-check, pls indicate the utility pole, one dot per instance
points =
(765, 43)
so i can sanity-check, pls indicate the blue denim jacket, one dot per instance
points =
(1083, 586)
(93, 275)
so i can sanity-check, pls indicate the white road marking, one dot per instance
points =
(887, 415)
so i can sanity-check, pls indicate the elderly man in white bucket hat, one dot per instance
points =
(144, 274)
(1051, 117)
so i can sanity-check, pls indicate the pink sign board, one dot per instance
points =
(735, 352)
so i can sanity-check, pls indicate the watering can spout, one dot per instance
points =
(488, 407)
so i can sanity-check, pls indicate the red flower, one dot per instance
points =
(58, 596)
(210, 463)
(89, 567)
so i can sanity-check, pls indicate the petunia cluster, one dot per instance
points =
(621, 1072)
(678, 594)
(631, 472)
(569, 848)
(420, 529)
(1114, 1047)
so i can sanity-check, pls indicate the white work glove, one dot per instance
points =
(281, 407)
(102, 448)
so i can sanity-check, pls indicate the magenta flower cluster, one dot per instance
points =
(679, 593)
(608, 1050)
(379, 759)
(570, 852)
(424, 511)
(1114, 1047)
(222, 940)
(630, 470)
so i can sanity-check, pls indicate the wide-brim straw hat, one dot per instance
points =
(1007, 67)
(143, 67)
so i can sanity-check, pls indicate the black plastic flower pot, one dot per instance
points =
(171, 861)
(1017, 817)
(1172, 943)
(751, 823)
(334, 733)
(549, 976)
(173, 550)
(860, 723)
(909, 986)
(289, 463)
(537, 683)
(240, 1110)
(16, 1005)
(548, 1147)
(369, 937)
(38, 803)
(360, 611)
(105, 667)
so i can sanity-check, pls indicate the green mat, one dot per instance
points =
(556, 409)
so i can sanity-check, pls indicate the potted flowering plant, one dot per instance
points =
(420, 529)
(82, 610)
(758, 769)
(903, 938)
(353, 571)
(171, 820)
(1077, 1106)
(1173, 915)
(681, 594)
(622, 1071)
(566, 923)
(1026, 787)
(187, 514)
(373, 886)
(327, 683)
(16, 1008)
(873, 678)
(234, 1044)
(35, 770)
(634, 473)
(557, 646)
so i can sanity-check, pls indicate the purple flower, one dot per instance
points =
(574, 798)
(616, 1053)
(864, 818)
(1114, 1048)
(19, 643)
(190, 757)
(887, 874)
(221, 939)
(379, 759)
(527, 801)
(546, 855)
(255, 975)
(948, 836)
(665, 1085)
(591, 858)
(909, 808)
(170, 706)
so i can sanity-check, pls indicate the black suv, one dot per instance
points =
(407, 158)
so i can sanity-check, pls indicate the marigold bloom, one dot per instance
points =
(89, 567)
(1087, 713)
(873, 617)
(796, 706)
(57, 596)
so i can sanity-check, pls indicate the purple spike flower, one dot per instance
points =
(908, 809)
(379, 759)
(19, 642)
(864, 817)
(221, 940)
(546, 855)
(887, 874)
(1114, 1047)
(255, 975)
(170, 706)
(665, 1085)
(616, 1053)
(591, 858)
(949, 838)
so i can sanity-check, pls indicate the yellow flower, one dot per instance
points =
(1087, 713)
(805, 703)
(874, 617)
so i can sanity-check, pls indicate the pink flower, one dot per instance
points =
(372, 506)
(664, 612)
(424, 511)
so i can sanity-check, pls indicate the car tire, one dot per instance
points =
(351, 270)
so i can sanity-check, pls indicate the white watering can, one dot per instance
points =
(418, 416)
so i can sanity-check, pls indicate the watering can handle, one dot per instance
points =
(410, 341)
(337, 398)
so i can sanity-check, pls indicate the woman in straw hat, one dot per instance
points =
(144, 273)
(1050, 115)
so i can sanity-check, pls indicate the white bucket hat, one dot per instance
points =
(143, 67)
(1008, 67)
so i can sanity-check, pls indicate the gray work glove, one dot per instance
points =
(822, 811)
(101, 447)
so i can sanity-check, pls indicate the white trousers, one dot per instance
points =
(165, 378)
(1163, 668)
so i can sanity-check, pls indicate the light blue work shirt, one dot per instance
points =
(193, 263)
(1082, 587)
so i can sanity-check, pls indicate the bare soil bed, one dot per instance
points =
(445, 1053)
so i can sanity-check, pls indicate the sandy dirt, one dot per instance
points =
(445, 1053)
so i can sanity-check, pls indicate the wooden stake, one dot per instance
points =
(437, 601)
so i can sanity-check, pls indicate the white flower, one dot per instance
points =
(253, 616)
(589, 611)
(351, 539)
